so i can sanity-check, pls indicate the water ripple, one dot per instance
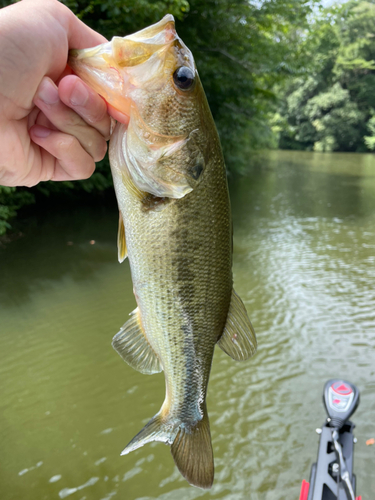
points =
(304, 267)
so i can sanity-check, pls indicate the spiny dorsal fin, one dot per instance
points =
(192, 453)
(238, 339)
(132, 345)
(121, 241)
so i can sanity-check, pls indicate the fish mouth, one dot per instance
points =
(139, 61)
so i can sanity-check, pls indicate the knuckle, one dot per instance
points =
(96, 146)
(98, 115)
(72, 121)
(68, 143)
(100, 150)
(89, 170)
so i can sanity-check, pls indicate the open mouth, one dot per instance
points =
(116, 68)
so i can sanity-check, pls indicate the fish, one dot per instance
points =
(175, 228)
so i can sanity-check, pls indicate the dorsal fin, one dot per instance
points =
(238, 339)
(121, 240)
(132, 345)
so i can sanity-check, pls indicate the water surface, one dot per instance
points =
(304, 264)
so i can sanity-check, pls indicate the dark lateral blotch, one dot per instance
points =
(151, 202)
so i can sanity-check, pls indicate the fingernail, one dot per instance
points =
(48, 92)
(40, 131)
(79, 95)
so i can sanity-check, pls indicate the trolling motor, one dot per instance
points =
(332, 477)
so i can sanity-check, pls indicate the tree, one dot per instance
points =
(330, 107)
(242, 49)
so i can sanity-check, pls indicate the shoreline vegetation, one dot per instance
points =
(287, 74)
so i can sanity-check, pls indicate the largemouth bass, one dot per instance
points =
(175, 228)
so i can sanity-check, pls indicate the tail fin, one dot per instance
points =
(192, 453)
(190, 446)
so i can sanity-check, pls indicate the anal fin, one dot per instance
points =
(121, 241)
(132, 345)
(238, 339)
(155, 430)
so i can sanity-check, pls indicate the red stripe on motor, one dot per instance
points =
(304, 490)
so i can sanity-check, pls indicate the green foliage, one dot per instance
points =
(329, 108)
(356, 28)
(370, 139)
(242, 49)
(119, 17)
(6, 210)
(11, 199)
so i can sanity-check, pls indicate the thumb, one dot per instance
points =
(80, 36)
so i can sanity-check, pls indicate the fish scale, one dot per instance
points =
(165, 249)
(175, 228)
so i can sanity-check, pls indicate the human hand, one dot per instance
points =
(47, 131)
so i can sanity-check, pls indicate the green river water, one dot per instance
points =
(304, 265)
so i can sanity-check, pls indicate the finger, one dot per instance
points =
(66, 120)
(67, 71)
(118, 115)
(44, 121)
(85, 102)
(62, 157)
(33, 117)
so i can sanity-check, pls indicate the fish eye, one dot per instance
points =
(184, 78)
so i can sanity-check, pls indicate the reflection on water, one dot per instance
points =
(304, 240)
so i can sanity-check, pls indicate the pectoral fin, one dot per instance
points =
(134, 348)
(131, 187)
(238, 339)
(121, 241)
